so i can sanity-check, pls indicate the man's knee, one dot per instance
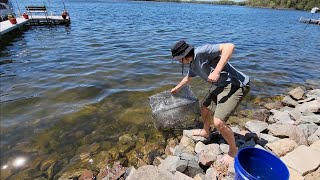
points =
(219, 124)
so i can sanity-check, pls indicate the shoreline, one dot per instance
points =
(135, 149)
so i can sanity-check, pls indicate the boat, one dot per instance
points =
(6, 9)
(310, 20)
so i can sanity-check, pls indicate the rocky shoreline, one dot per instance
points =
(289, 128)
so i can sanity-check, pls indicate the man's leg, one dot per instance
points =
(228, 135)
(206, 115)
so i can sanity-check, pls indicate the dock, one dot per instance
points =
(310, 21)
(6, 26)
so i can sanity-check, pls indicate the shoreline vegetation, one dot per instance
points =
(305, 5)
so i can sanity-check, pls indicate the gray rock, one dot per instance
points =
(316, 145)
(286, 130)
(288, 101)
(282, 117)
(256, 126)
(193, 169)
(224, 148)
(303, 159)
(179, 149)
(181, 176)
(306, 100)
(187, 142)
(314, 94)
(266, 138)
(235, 129)
(173, 164)
(210, 147)
(259, 147)
(129, 171)
(296, 116)
(310, 119)
(187, 156)
(297, 93)
(211, 174)
(313, 138)
(286, 108)
(308, 129)
(199, 177)
(206, 158)
(313, 106)
(188, 133)
(282, 147)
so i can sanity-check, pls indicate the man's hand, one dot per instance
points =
(213, 77)
(174, 90)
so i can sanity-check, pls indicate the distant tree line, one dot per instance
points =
(291, 4)
(279, 4)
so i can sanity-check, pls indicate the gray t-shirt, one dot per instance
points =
(206, 59)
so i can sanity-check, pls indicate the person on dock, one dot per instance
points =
(210, 62)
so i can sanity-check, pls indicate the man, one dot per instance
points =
(210, 62)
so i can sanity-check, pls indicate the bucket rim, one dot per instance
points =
(236, 161)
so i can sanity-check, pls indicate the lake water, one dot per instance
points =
(89, 83)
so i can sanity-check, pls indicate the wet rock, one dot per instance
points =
(309, 163)
(86, 174)
(71, 174)
(297, 93)
(27, 174)
(93, 148)
(46, 164)
(5, 173)
(181, 176)
(282, 147)
(288, 101)
(273, 105)
(256, 126)
(125, 139)
(53, 170)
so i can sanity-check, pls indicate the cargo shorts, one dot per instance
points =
(224, 100)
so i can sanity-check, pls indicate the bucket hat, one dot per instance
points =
(180, 49)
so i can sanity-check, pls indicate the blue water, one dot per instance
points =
(115, 53)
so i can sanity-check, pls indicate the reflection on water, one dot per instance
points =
(77, 97)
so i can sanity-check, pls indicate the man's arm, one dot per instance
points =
(183, 82)
(226, 53)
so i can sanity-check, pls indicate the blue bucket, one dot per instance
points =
(254, 163)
